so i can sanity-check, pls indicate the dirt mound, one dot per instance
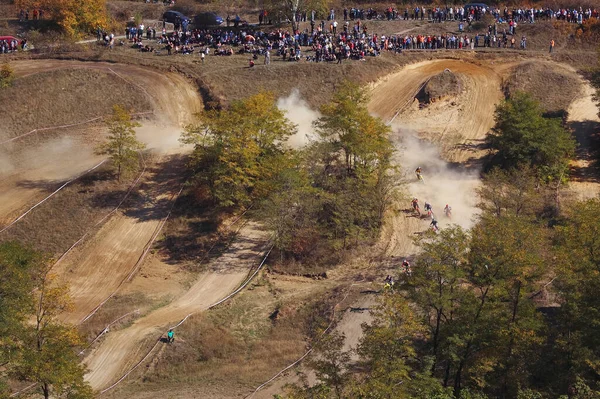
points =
(442, 85)
(553, 86)
(65, 96)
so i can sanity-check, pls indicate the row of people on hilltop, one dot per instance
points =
(455, 13)
(36, 14)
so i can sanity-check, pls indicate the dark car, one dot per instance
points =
(207, 19)
(476, 5)
(175, 17)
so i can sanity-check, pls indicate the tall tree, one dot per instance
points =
(48, 357)
(18, 265)
(522, 136)
(577, 339)
(239, 151)
(122, 145)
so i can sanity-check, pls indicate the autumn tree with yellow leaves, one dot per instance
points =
(74, 17)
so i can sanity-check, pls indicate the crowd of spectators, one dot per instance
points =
(350, 38)
(9, 46)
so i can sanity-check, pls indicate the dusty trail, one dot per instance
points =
(584, 120)
(27, 173)
(96, 269)
(121, 349)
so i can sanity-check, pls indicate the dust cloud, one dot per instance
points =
(299, 113)
(162, 139)
(441, 185)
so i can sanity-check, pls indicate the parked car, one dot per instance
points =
(475, 5)
(208, 19)
(175, 17)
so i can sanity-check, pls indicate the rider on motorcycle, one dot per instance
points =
(415, 205)
(448, 210)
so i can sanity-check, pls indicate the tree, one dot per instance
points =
(122, 145)
(436, 285)
(576, 342)
(239, 151)
(387, 350)
(331, 362)
(17, 267)
(291, 8)
(73, 16)
(522, 136)
(515, 192)
(48, 357)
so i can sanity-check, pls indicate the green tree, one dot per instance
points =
(576, 341)
(122, 145)
(17, 267)
(523, 136)
(387, 350)
(331, 362)
(516, 192)
(239, 151)
(47, 356)
(347, 126)
(436, 285)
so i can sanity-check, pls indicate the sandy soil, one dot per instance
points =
(120, 350)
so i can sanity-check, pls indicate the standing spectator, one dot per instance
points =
(267, 57)
(551, 46)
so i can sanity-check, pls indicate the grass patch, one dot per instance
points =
(66, 96)
(66, 217)
(242, 343)
(554, 88)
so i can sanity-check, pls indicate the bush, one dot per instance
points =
(6, 75)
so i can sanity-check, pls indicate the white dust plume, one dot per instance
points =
(442, 184)
(299, 113)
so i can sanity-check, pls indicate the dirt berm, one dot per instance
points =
(443, 85)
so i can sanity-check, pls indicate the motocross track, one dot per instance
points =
(122, 349)
(392, 99)
(173, 97)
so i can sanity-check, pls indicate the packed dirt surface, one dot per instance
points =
(464, 120)
(122, 349)
(95, 270)
(440, 86)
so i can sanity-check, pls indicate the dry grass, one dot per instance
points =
(237, 346)
(554, 88)
(65, 96)
(116, 307)
(67, 216)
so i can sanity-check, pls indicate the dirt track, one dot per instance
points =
(174, 99)
(120, 350)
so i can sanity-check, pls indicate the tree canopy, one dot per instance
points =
(523, 136)
(41, 352)
(122, 146)
(73, 16)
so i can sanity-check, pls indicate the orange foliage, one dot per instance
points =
(73, 16)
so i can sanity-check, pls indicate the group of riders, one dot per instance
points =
(428, 207)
